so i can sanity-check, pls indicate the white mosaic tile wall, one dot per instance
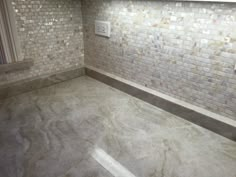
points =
(185, 50)
(50, 33)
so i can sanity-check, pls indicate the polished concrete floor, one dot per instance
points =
(83, 128)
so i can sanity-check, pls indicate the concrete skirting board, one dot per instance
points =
(214, 122)
(27, 85)
(7, 68)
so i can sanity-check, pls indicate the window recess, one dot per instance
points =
(10, 54)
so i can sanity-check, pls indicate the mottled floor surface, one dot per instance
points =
(57, 132)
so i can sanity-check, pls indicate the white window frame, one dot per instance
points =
(8, 32)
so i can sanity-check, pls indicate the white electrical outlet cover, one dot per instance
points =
(103, 28)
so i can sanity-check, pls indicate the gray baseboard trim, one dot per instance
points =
(12, 67)
(214, 122)
(204, 118)
(31, 84)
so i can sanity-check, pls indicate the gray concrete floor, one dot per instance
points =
(83, 128)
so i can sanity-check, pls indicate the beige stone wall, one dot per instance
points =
(185, 50)
(50, 33)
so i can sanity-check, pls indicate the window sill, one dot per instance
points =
(21, 65)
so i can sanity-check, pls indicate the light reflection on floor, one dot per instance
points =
(110, 164)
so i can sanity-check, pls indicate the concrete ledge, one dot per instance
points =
(27, 85)
(209, 120)
(214, 122)
(21, 65)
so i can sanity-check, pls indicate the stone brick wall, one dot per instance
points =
(50, 33)
(185, 50)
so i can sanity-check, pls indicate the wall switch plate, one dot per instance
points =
(103, 28)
